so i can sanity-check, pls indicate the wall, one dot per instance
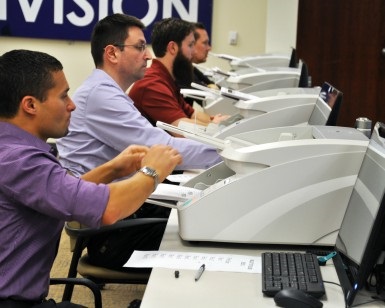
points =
(75, 56)
(248, 20)
(281, 26)
(260, 25)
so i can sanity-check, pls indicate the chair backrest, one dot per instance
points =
(71, 235)
(304, 77)
(293, 59)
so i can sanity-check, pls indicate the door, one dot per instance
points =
(343, 42)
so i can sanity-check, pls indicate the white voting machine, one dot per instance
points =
(285, 185)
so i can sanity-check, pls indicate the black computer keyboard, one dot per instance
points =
(282, 270)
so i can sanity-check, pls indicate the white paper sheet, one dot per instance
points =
(191, 260)
(175, 192)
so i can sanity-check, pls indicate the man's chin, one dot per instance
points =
(65, 133)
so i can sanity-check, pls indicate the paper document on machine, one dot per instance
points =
(185, 176)
(175, 192)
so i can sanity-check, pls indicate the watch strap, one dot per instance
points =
(150, 172)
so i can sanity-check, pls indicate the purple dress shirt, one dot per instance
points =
(36, 196)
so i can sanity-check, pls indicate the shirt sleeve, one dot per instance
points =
(106, 121)
(34, 179)
(116, 122)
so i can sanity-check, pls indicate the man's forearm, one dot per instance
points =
(103, 174)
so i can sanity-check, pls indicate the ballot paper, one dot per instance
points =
(184, 177)
(175, 192)
(179, 178)
(192, 260)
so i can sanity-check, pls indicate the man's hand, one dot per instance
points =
(129, 160)
(163, 159)
(219, 118)
(213, 86)
(128, 195)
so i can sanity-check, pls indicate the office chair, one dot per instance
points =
(304, 77)
(293, 58)
(84, 282)
(79, 236)
(94, 288)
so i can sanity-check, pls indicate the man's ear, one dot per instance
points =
(29, 105)
(172, 47)
(110, 53)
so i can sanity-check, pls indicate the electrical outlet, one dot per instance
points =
(233, 37)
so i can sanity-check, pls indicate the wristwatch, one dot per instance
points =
(150, 172)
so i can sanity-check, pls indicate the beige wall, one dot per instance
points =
(247, 18)
(75, 56)
(262, 26)
(281, 25)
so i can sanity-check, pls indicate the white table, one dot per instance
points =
(219, 289)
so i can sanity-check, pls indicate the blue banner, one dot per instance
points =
(74, 19)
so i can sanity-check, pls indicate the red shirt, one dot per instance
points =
(158, 97)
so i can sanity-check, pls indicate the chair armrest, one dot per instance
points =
(126, 223)
(84, 282)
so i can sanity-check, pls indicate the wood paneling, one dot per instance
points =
(341, 41)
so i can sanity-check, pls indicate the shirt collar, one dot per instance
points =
(14, 134)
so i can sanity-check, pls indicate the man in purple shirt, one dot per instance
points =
(36, 194)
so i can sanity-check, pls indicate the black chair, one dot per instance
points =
(84, 282)
(293, 58)
(304, 77)
(79, 236)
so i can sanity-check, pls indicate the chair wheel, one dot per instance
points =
(135, 303)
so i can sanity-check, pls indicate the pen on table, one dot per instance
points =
(199, 272)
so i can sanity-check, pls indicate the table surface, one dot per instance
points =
(220, 289)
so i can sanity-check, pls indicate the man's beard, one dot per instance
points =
(183, 70)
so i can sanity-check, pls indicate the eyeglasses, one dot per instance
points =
(139, 47)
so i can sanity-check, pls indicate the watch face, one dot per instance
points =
(149, 171)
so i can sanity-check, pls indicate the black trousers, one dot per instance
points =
(112, 249)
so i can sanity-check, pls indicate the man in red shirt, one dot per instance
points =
(157, 95)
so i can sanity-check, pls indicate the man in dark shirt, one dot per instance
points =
(202, 48)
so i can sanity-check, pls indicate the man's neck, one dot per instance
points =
(24, 124)
(123, 83)
(168, 63)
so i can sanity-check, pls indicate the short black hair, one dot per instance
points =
(167, 30)
(25, 72)
(198, 25)
(111, 30)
